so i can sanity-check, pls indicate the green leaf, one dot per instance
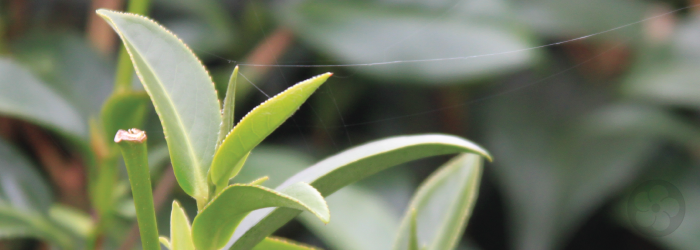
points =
(19, 223)
(542, 149)
(571, 18)
(70, 65)
(21, 186)
(360, 32)
(180, 229)
(78, 222)
(348, 167)
(440, 209)
(257, 125)
(216, 223)
(124, 110)
(182, 93)
(273, 243)
(25, 97)
(228, 107)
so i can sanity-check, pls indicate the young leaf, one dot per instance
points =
(182, 93)
(25, 97)
(228, 107)
(348, 167)
(440, 209)
(274, 243)
(215, 224)
(180, 229)
(257, 125)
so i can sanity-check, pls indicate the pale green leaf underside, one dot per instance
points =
(273, 243)
(180, 231)
(348, 167)
(216, 223)
(442, 205)
(182, 93)
(257, 125)
(25, 97)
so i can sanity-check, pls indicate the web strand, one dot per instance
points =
(472, 56)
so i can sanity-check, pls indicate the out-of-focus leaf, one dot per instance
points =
(78, 222)
(25, 97)
(18, 223)
(124, 110)
(354, 208)
(71, 66)
(442, 206)
(346, 168)
(158, 157)
(182, 93)
(365, 32)
(257, 125)
(207, 26)
(20, 185)
(271, 243)
(567, 18)
(669, 75)
(572, 170)
(180, 229)
(215, 224)
(637, 120)
(25, 200)
(666, 83)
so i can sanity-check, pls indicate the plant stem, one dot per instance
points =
(133, 146)
(160, 195)
(125, 69)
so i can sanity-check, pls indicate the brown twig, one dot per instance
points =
(98, 31)
(160, 195)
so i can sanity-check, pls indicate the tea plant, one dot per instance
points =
(207, 149)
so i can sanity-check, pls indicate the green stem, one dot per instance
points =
(133, 146)
(125, 69)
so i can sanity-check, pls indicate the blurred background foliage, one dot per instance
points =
(573, 127)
